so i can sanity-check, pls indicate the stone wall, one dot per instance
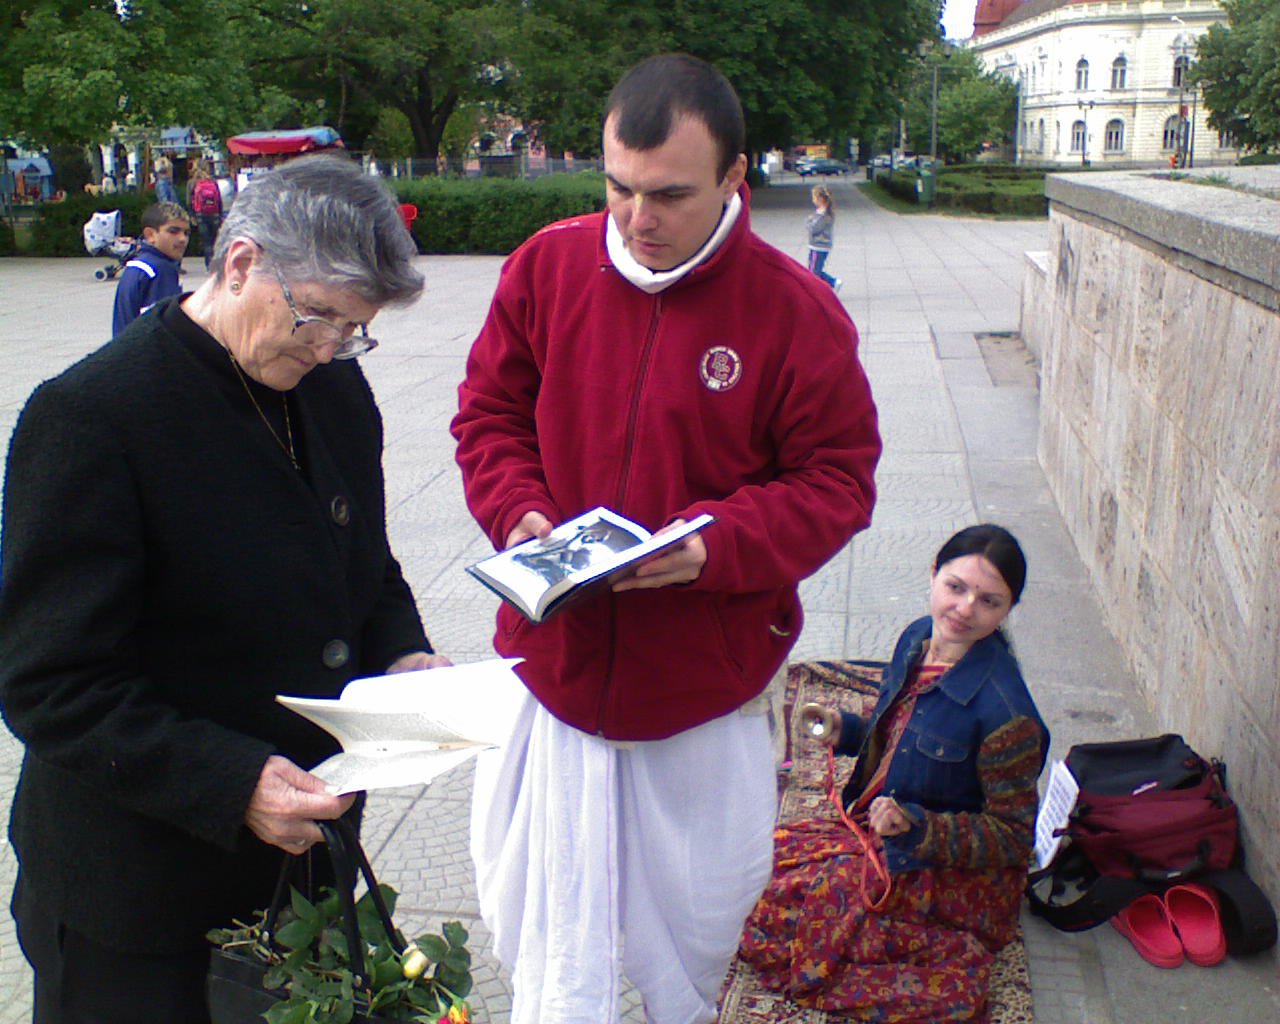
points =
(1156, 318)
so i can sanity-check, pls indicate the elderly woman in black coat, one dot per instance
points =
(194, 522)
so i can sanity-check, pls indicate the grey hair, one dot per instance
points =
(320, 218)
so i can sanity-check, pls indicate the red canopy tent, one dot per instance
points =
(284, 141)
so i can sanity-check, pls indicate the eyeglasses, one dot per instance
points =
(314, 331)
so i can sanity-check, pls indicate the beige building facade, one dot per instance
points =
(1107, 84)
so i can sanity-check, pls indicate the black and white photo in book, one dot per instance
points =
(598, 548)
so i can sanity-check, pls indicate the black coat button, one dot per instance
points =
(336, 653)
(340, 510)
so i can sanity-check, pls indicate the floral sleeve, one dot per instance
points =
(1001, 835)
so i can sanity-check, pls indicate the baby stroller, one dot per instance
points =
(102, 238)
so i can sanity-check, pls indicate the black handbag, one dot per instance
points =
(235, 988)
(1248, 918)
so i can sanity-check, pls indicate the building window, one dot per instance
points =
(1181, 72)
(1114, 139)
(1227, 140)
(1082, 75)
(1118, 68)
(1173, 128)
(1041, 135)
(1077, 137)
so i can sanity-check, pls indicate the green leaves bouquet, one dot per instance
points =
(337, 960)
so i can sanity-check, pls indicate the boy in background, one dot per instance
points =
(152, 274)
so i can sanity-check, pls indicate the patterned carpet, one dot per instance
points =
(850, 686)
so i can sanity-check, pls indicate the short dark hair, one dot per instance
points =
(994, 543)
(157, 215)
(654, 94)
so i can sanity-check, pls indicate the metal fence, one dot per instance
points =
(498, 165)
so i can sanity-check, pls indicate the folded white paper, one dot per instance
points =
(407, 728)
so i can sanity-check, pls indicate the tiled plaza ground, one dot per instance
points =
(960, 433)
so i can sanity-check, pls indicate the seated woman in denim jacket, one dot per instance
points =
(894, 909)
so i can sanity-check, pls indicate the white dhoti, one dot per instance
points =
(592, 854)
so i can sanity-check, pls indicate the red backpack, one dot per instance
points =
(205, 197)
(1151, 812)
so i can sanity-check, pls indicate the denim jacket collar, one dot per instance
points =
(966, 678)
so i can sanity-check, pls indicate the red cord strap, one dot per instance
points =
(872, 858)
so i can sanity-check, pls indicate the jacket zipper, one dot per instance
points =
(646, 357)
(633, 415)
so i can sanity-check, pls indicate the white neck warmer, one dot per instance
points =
(654, 281)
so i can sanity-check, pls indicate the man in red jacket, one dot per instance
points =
(661, 360)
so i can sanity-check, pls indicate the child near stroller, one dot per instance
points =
(102, 238)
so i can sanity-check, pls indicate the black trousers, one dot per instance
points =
(78, 981)
(208, 225)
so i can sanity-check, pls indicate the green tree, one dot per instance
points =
(1239, 71)
(390, 138)
(355, 58)
(71, 70)
(805, 69)
(974, 106)
(465, 125)
(809, 70)
(565, 56)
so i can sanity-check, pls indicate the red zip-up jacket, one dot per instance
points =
(737, 391)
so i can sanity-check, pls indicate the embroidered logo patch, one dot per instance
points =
(721, 368)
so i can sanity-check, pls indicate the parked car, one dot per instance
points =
(820, 165)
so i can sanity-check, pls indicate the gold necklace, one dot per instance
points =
(287, 448)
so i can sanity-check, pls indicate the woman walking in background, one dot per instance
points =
(821, 224)
(204, 199)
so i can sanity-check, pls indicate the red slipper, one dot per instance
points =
(1193, 909)
(1145, 923)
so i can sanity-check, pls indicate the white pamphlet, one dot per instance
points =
(407, 728)
(1055, 811)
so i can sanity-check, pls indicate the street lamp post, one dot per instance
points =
(933, 120)
(1183, 68)
(1191, 133)
(1019, 136)
(1085, 106)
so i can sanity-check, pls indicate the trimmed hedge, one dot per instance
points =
(987, 199)
(58, 228)
(8, 246)
(488, 215)
(455, 215)
(1012, 191)
(900, 183)
(977, 188)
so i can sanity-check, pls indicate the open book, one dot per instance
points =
(598, 548)
(407, 728)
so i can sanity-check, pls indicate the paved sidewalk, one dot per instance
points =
(960, 423)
